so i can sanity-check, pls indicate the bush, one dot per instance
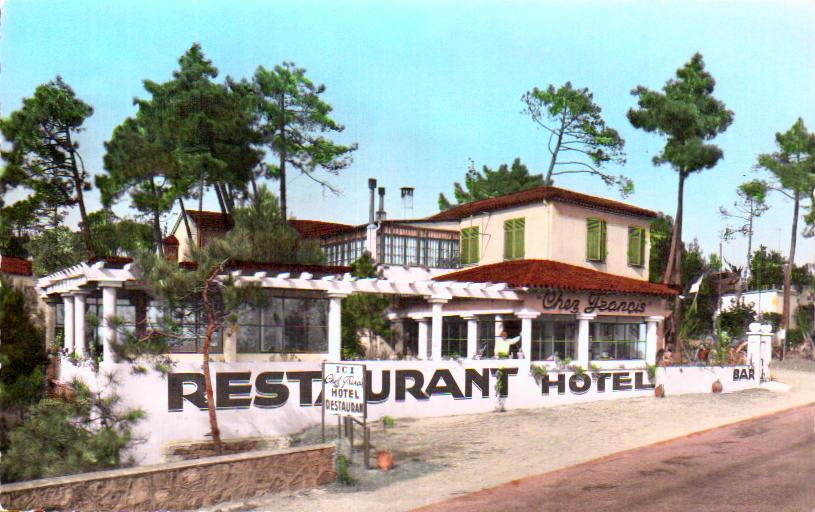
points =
(794, 338)
(89, 432)
(736, 319)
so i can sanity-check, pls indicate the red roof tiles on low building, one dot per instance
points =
(557, 275)
(211, 220)
(317, 228)
(170, 240)
(535, 195)
(16, 266)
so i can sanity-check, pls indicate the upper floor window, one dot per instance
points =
(514, 238)
(469, 245)
(636, 246)
(595, 240)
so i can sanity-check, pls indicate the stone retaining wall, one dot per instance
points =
(178, 485)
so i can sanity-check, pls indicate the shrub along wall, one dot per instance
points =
(178, 485)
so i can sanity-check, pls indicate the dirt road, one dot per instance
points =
(757, 465)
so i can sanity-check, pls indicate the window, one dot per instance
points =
(617, 338)
(191, 325)
(284, 324)
(453, 337)
(469, 245)
(486, 336)
(636, 246)
(595, 240)
(554, 337)
(514, 238)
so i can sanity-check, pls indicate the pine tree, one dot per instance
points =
(44, 154)
(579, 140)
(293, 119)
(491, 183)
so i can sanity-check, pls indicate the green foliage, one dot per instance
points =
(43, 156)
(687, 115)
(343, 475)
(734, 321)
(791, 165)
(491, 183)
(652, 372)
(660, 235)
(293, 118)
(190, 130)
(364, 313)
(55, 249)
(115, 236)
(750, 205)
(89, 432)
(721, 345)
(268, 237)
(22, 351)
(387, 421)
(766, 269)
(578, 139)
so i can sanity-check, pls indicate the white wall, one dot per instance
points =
(446, 382)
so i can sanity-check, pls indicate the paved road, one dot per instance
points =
(766, 463)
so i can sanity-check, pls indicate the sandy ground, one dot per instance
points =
(440, 458)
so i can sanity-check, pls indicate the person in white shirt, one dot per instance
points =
(503, 344)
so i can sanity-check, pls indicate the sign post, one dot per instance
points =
(344, 387)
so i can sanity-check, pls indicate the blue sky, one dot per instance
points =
(423, 87)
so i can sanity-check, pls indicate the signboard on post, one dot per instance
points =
(344, 390)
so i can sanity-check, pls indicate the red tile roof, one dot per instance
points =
(170, 240)
(317, 228)
(14, 265)
(211, 220)
(554, 274)
(538, 194)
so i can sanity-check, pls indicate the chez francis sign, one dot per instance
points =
(270, 390)
(556, 300)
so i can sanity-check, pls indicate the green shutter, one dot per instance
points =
(595, 240)
(514, 238)
(469, 245)
(518, 246)
(636, 246)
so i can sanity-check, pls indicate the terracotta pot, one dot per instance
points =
(384, 460)
(659, 391)
(717, 386)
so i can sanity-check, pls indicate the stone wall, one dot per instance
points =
(178, 485)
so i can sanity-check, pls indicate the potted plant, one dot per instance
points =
(384, 457)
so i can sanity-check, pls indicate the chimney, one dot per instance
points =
(407, 201)
(371, 187)
(380, 215)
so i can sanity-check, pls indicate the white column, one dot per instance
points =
(435, 328)
(423, 328)
(766, 351)
(335, 326)
(583, 339)
(526, 331)
(754, 347)
(108, 310)
(472, 336)
(50, 321)
(651, 325)
(68, 302)
(80, 341)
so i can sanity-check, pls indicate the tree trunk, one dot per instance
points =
(157, 238)
(213, 418)
(750, 241)
(186, 220)
(282, 170)
(79, 183)
(553, 161)
(785, 312)
(673, 270)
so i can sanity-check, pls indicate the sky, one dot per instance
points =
(423, 87)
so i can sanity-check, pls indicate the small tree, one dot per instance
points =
(766, 269)
(750, 205)
(293, 117)
(578, 135)
(206, 290)
(55, 249)
(22, 355)
(44, 155)
(793, 170)
(491, 183)
(90, 431)
(364, 312)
